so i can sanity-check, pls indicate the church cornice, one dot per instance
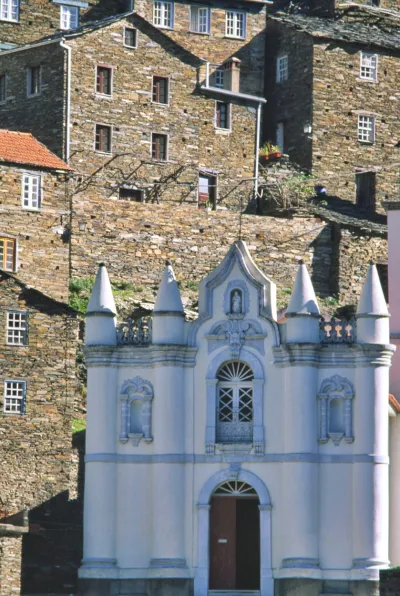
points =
(343, 356)
(145, 356)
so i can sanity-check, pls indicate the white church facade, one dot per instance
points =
(232, 455)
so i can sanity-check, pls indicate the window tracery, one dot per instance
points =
(235, 403)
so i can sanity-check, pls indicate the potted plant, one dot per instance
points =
(275, 152)
(264, 151)
(208, 206)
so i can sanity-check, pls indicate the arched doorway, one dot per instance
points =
(234, 537)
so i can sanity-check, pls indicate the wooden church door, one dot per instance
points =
(223, 544)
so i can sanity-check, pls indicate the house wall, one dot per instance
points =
(41, 236)
(36, 448)
(43, 115)
(10, 565)
(217, 47)
(290, 101)
(188, 120)
(38, 18)
(339, 96)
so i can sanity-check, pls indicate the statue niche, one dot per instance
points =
(236, 303)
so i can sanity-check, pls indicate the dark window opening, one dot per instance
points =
(103, 138)
(222, 115)
(366, 190)
(160, 90)
(2, 87)
(130, 38)
(131, 194)
(159, 147)
(103, 80)
(34, 80)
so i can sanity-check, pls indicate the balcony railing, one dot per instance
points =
(338, 331)
(134, 332)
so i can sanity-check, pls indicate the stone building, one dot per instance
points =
(233, 454)
(136, 114)
(22, 21)
(37, 373)
(332, 92)
(34, 213)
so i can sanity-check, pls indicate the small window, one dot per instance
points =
(282, 69)
(132, 194)
(222, 115)
(280, 135)
(160, 90)
(366, 129)
(14, 397)
(368, 66)
(219, 78)
(103, 138)
(199, 19)
(235, 24)
(207, 191)
(33, 80)
(163, 14)
(366, 190)
(103, 80)
(17, 328)
(9, 10)
(31, 191)
(336, 416)
(7, 254)
(159, 147)
(3, 87)
(69, 17)
(130, 37)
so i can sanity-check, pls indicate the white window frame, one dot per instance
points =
(136, 40)
(229, 421)
(17, 328)
(366, 129)
(368, 66)
(166, 147)
(111, 138)
(14, 241)
(229, 116)
(235, 28)
(160, 11)
(280, 135)
(29, 81)
(198, 19)
(31, 191)
(96, 70)
(219, 78)
(10, 385)
(282, 68)
(9, 10)
(69, 14)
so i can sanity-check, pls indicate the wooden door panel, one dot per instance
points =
(248, 544)
(223, 543)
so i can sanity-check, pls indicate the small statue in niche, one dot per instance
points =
(236, 302)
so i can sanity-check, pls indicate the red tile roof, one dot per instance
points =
(23, 148)
(394, 403)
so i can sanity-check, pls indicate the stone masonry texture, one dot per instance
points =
(41, 236)
(38, 18)
(326, 78)
(10, 565)
(35, 447)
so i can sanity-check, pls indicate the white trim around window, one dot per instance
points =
(31, 191)
(200, 19)
(9, 10)
(282, 68)
(14, 397)
(366, 129)
(235, 24)
(17, 328)
(163, 14)
(135, 33)
(368, 66)
(33, 81)
(69, 17)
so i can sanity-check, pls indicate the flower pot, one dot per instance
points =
(263, 158)
(275, 155)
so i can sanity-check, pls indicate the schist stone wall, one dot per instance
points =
(40, 237)
(327, 77)
(38, 18)
(216, 47)
(194, 142)
(326, 7)
(134, 241)
(10, 564)
(38, 470)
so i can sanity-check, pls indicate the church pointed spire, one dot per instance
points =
(168, 297)
(303, 300)
(101, 299)
(372, 300)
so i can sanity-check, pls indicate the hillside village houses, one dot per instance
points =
(118, 122)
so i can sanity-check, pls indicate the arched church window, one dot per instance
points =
(235, 403)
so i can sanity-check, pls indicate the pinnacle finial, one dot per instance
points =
(101, 299)
(168, 297)
(303, 300)
(372, 300)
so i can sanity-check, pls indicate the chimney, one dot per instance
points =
(232, 75)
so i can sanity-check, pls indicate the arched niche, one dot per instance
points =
(136, 398)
